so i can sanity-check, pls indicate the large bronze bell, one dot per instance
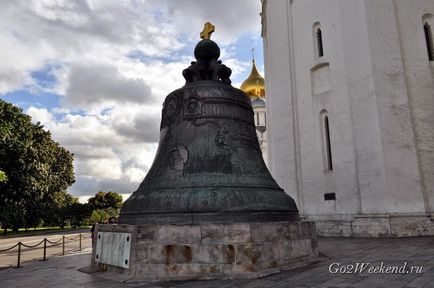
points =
(208, 167)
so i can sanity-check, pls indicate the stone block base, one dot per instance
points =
(375, 226)
(212, 251)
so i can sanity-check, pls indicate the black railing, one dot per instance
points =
(61, 241)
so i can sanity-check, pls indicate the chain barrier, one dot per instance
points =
(71, 239)
(10, 248)
(32, 246)
(20, 244)
(55, 242)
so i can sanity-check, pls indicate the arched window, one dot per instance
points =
(317, 40)
(429, 41)
(327, 148)
(319, 45)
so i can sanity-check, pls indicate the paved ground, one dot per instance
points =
(6, 240)
(62, 271)
(9, 258)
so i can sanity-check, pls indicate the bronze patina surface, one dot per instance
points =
(208, 167)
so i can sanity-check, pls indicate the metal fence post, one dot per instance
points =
(45, 249)
(63, 246)
(19, 255)
(79, 242)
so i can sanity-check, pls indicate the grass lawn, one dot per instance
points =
(39, 230)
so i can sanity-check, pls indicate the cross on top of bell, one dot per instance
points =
(208, 29)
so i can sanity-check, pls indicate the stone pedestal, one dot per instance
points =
(204, 251)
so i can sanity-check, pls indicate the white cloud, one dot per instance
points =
(35, 33)
(144, 128)
(101, 168)
(231, 18)
(103, 154)
(99, 83)
(110, 109)
(85, 186)
(135, 175)
(40, 115)
(10, 79)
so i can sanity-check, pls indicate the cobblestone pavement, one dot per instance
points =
(62, 271)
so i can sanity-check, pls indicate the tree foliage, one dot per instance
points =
(99, 216)
(105, 205)
(38, 169)
(3, 176)
(104, 200)
(57, 214)
(78, 214)
(35, 172)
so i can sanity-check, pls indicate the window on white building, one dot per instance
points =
(327, 149)
(319, 45)
(429, 40)
(317, 40)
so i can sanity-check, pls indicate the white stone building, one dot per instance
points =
(350, 112)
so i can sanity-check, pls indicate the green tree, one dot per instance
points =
(37, 168)
(78, 213)
(105, 205)
(99, 216)
(3, 176)
(58, 213)
(105, 200)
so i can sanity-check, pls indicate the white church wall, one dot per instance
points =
(280, 109)
(377, 92)
(331, 98)
(403, 193)
(419, 75)
(367, 146)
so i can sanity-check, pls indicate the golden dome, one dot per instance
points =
(254, 85)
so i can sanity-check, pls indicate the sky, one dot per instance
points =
(95, 73)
